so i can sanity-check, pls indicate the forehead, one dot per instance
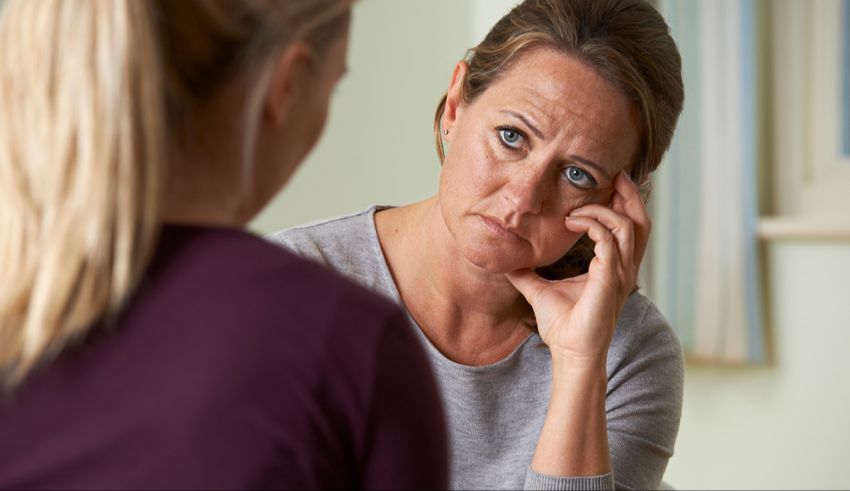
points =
(549, 76)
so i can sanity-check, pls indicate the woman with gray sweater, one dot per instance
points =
(519, 274)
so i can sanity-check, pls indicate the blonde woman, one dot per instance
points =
(519, 273)
(147, 340)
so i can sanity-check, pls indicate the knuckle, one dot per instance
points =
(604, 236)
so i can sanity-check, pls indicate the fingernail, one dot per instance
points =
(627, 176)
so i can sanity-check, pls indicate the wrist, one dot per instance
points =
(570, 363)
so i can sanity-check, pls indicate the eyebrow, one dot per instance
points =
(591, 164)
(527, 123)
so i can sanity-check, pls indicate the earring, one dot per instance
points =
(445, 132)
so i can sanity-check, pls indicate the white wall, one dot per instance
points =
(484, 14)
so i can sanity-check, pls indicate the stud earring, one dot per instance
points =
(445, 132)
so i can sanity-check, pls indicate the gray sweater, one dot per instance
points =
(495, 412)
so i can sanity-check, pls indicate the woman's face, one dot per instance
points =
(300, 97)
(549, 136)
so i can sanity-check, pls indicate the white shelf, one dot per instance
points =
(801, 228)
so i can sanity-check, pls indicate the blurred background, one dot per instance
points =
(750, 254)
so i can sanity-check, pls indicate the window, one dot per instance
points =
(807, 162)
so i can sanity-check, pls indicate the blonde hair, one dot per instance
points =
(95, 95)
(627, 42)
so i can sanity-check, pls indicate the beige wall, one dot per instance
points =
(784, 426)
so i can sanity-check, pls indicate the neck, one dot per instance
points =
(443, 290)
(200, 213)
(205, 182)
(196, 197)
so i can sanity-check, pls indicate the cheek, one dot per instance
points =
(555, 239)
(317, 107)
(317, 125)
(468, 170)
(571, 198)
(576, 199)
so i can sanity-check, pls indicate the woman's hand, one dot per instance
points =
(576, 317)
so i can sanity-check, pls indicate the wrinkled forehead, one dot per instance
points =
(546, 78)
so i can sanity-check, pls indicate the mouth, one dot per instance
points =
(500, 230)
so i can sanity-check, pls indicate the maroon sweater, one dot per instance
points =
(237, 365)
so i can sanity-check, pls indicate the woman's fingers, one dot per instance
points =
(606, 246)
(627, 219)
(620, 227)
(551, 300)
(627, 201)
(529, 283)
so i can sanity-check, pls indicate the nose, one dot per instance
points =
(525, 191)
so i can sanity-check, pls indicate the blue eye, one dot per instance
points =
(579, 177)
(510, 137)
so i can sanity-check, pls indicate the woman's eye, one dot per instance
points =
(579, 177)
(510, 138)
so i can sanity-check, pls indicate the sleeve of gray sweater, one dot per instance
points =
(643, 405)
(643, 420)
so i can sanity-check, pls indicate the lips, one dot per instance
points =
(500, 230)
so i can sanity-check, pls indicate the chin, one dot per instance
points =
(496, 261)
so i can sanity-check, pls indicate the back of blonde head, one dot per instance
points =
(94, 98)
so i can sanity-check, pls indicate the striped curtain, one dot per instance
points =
(704, 269)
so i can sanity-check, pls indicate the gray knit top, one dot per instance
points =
(495, 412)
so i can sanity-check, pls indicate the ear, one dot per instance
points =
(289, 79)
(454, 96)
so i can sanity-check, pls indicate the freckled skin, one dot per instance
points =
(580, 116)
